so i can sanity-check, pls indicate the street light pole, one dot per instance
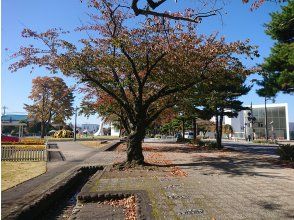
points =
(266, 124)
(75, 127)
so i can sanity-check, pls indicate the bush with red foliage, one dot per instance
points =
(5, 138)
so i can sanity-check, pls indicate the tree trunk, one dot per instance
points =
(216, 127)
(43, 127)
(194, 125)
(183, 128)
(220, 131)
(217, 131)
(134, 149)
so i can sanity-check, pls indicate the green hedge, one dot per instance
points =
(286, 152)
(264, 142)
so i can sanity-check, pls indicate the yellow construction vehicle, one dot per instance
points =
(63, 134)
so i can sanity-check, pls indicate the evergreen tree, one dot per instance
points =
(221, 100)
(278, 68)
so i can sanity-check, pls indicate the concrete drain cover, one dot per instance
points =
(174, 196)
(192, 212)
(164, 180)
(172, 186)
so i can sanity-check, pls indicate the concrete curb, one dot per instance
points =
(111, 146)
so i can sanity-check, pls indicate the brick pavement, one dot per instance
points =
(225, 185)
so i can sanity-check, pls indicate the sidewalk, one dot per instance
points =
(219, 185)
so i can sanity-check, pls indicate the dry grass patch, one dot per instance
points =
(94, 144)
(14, 173)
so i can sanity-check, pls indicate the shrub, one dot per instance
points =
(211, 145)
(286, 152)
(196, 141)
(208, 144)
(5, 138)
(25, 147)
(264, 142)
(32, 140)
(201, 143)
(24, 143)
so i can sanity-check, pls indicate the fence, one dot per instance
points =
(11, 153)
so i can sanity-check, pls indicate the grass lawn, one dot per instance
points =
(14, 173)
(94, 144)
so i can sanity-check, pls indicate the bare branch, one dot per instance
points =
(196, 18)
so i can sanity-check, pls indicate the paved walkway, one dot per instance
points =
(75, 154)
(224, 185)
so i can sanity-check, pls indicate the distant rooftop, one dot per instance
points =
(13, 118)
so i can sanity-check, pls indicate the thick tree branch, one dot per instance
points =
(135, 71)
(126, 107)
(154, 5)
(149, 70)
(158, 112)
(165, 91)
(196, 19)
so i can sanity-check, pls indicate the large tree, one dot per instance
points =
(143, 69)
(278, 68)
(52, 99)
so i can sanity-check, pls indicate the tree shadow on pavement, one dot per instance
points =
(238, 165)
(272, 206)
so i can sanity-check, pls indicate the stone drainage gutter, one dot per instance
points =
(55, 195)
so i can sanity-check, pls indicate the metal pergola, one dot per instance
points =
(16, 124)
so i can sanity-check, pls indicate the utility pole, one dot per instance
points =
(75, 127)
(251, 119)
(245, 128)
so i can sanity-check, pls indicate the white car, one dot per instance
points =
(189, 135)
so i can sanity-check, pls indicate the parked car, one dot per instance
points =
(6, 138)
(189, 135)
(178, 135)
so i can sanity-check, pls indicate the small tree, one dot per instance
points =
(221, 99)
(228, 129)
(52, 99)
(205, 126)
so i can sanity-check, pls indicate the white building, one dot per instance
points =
(291, 129)
(91, 128)
(114, 130)
(277, 119)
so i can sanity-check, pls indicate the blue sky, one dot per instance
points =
(237, 23)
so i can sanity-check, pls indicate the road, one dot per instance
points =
(252, 148)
